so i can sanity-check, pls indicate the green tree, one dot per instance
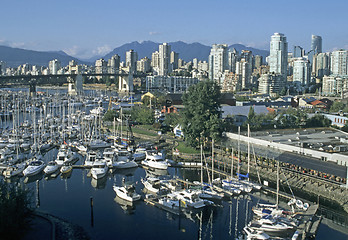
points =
(172, 119)
(143, 115)
(110, 115)
(201, 115)
(337, 106)
(15, 211)
(318, 120)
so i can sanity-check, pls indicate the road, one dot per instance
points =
(288, 157)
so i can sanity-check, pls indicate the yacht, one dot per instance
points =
(139, 154)
(155, 160)
(127, 193)
(51, 167)
(66, 168)
(123, 160)
(34, 168)
(14, 170)
(190, 198)
(271, 225)
(99, 169)
(91, 158)
(109, 156)
(152, 184)
(255, 234)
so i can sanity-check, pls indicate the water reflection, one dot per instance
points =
(127, 206)
(99, 183)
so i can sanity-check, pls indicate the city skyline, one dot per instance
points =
(85, 29)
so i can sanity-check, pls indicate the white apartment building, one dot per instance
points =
(218, 62)
(278, 58)
(171, 84)
(339, 61)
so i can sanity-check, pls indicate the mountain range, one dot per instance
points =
(187, 51)
(17, 56)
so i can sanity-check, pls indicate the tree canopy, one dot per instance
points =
(143, 115)
(202, 115)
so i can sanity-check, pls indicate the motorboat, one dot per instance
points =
(154, 160)
(190, 198)
(99, 169)
(91, 158)
(66, 168)
(14, 170)
(123, 160)
(152, 184)
(34, 168)
(139, 154)
(109, 156)
(98, 143)
(255, 234)
(51, 167)
(269, 224)
(127, 192)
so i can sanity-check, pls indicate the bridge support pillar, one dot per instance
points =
(32, 88)
(125, 84)
(75, 86)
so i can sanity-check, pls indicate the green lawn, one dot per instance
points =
(183, 148)
(144, 132)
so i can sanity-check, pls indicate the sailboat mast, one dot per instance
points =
(212, 160)
(277, 183)
(248, 150)
(238, 169)
(201, 165)
(232, 166)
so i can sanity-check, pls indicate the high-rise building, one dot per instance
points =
(271, 83)
(257, 61)
(131, 60)
(321, 65)
(155, 61)
(278, 58)
(232, 59)
(298, 52)
(144, 65)
(338, 63)
(54, 66)
(174, 60)
(301, 72)
(218, 62)
(316, 44)
(195, 63)
(243, 69)
(114, 64)
(164, 59)
(100, 67)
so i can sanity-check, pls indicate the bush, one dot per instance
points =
(15, 211)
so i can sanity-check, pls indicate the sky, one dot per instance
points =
(86, 28)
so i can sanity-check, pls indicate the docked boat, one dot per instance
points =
(91, 158)
(51, 167)
(34, 168)
(99, 169)
(154, 160)
(109, 156)
(66, 168)
(190, 198)
(14, 170)
(255, 234)
(127, 193)
(271, 225)
(123, 160)
(152, 184)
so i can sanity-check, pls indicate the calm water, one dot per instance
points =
(69, 198)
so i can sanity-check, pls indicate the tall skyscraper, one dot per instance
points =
(321, 65)
(301, 70)
(278, 58)
(114, 63)
(54, 66)
(316, 44)
(232, 59)
(174, 60)
(164, 59)
(339, 61)
(298, 52)
(218, 62)
(131, 60)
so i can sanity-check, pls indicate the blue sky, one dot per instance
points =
(84, 28)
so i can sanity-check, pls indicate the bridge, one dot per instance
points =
(74, 80)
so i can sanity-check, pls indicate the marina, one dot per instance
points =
(88, 169)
